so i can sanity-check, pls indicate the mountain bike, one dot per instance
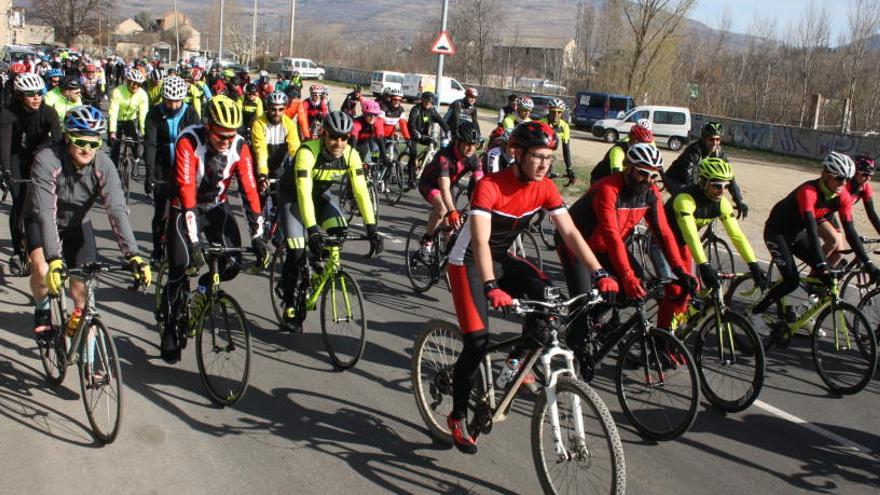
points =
(575, 443)
(91, 349)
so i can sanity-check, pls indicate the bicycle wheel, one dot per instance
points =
(276, 292)
(525, 246)
(100, 381)
(374, 199)
(394, 183)
(53, 348)
(844, 348)
(546, 229)
(593, 459)
(856, 281)
(422, 269)
(161, 275)
(224, 350)
(657, 384)
(639, 245)
(346, 199)
(742, 295)
(730, 359)
(720, 256)
(343, 320)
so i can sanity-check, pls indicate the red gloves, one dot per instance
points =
(633, 289)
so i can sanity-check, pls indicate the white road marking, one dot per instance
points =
(810, 426)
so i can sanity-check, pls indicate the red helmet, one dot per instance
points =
(471, 93)
(864, 163)
(218, 87)
(534, 134)
(639, 134)
(91, 68)
(18, 68)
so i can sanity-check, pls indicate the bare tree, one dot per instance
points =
(805, 39)
(864, 21)
(474, 26)
(145, 19)
(69, 18)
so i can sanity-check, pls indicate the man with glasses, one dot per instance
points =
(251, 107)
(93, 86)
(129, 105)
(685, 170)
(555, 109)
(53, 79)
(307, 203)
(421, 118)
(65, 96)
(26, 126)
(274, 138)
(791, 230)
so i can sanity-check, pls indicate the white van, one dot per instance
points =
(307, 68)
(415, 84)
(671, 124)
(382, 79)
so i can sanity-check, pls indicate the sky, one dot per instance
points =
(742, 12)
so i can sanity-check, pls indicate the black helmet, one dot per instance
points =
(511, 98)
(338, 123)
(534, 134)
(711, 129)
(70, 82)
(467, 132)
(428, 96)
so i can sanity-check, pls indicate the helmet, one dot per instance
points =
(218, 87)
(715, 169)
(84, 119)
(324, 90)
(645, 155)
(222, 111)
(711, 129)
(29, 82)
(70, 82)
(53, 73)
(534, 134)
(370, 107)
(525, 102)
(638, 134)
(174, 88)
(557, 103)
(338, 123)
(228, 73)
(156, 75)
(250, 88)
(91, 68)
(471, 93)
(134, 75)
(18, 68)
(864, 163)
(839, 165)
(467, 132)
(264, 73)
(276, 98)
(428, 96)
(392, 92)
(196, 73)
(645, 123)
(315, 89)
(386, 91)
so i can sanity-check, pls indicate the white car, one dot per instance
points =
(307, 68)
(673, 123)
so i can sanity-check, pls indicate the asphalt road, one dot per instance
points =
(304, 428)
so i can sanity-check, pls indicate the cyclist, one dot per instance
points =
(612, 162)
(421, 118)
(307, 203)
(264, 87)
(447, 168)
(692, 209)
(206, 157)
(164, 123)
(251, 107)
(464, 110)
(685, 170)
(315, 109)
(94, 88)
(296, 112)
(368, 133)
(500, 157)
(275, 137)
(791, 230)
(606, 215)
(296, 85)
(64, 97)
(555, 109)
(282, 83)
(67, 180)
(154, 86)
(26, 126)
(524, 106)
(482, 270)
(860, 188)
(53, 79)
(352, 100)
(198, 93)
(508, 109)
(128, 112)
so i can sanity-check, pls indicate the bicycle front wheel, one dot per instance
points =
(224, 350)
(844, 348)
(546, 230)
(657, 384)
(53, 348)
(343, 320)
(730, 359)
(422, 267)
(575, 444)
(100, 380)
(857, 284)
(346, 199)
(720, 256)
(742, 295)
(394, 183)
(276, 291)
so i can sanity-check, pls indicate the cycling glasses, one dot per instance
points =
(866, 174)
(335, 136)
(647, 173)
(719, 186)
(31, 94)
(224, 137)
(85, 144)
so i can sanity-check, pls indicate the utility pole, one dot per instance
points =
(254, 36)
(438, 86)
(176, 31)
(220, 47)
(292, 17)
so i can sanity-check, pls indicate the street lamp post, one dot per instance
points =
(292, 16)
(220, 47)
(176, 31)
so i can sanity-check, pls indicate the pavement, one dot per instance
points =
(304, 428)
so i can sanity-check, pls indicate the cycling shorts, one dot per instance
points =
(77, 242)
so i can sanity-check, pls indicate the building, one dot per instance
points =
(544, 58)
(190, 37)
(127, 27)
(130, 38)
(22, 33)
(5, 6)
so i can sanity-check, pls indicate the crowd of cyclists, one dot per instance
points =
(198, 130)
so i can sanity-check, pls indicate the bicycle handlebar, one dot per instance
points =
(522, 307)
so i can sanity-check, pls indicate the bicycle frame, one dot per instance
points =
(89, 314)
(319, 281)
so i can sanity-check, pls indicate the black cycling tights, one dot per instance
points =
(782, 251)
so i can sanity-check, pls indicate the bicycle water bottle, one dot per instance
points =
(507, 373)
(73, 322)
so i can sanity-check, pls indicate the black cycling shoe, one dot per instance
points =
(781, 337)
(169, 348)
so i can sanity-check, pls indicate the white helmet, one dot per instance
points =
(839, 164)
(395, 92)
(276, 98)
(174, 88)
(134, 75)
(264, 73)
(645, 155)
(29, 82)
(645, 123)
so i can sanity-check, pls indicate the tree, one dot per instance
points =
(807, 38)
(475, 27)
(146, 20)
(653, 24)
(864, 21)
(69, 18)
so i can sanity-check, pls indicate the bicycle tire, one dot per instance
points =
(719, 255)
(652, 356)
(53, 352)
(603, 462)
(223, 391)
(741, 296)
(530, 252)
(546, 230)
(346, 199)
(862, 283)
(639, 245)
(344, 347)
(743, 362)
(161, 275)
(99, 351)
(394, 183)
(276, 269)
(422, 273)
(374, 199)
(863, 355)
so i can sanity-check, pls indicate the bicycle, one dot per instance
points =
(727, 350)
(342, 302)
(839, 330)
(541, 223)
(585, 451)
(91, 349)
(348, 203)
(220, 328)
(426, 155)
(856, 276)
(128, 163)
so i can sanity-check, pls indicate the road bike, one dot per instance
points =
(128, 162)
(575, 444)
(347, 201)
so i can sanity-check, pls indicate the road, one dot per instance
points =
(305, 428)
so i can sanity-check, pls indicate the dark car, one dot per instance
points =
(542, 107)
(590, 107)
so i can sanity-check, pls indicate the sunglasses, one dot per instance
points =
(839, 178)
(650, 174)
(31, 94)
(337, 137)
(224, 137)
(275, 109)
(866, 174)
(720, 186)
(85, 144)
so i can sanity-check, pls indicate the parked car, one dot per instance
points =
(11, 53)
(541, 108)
(382, 79)
(307, 68)
(670, 123)
(590, 107)
(541, 85)
(414, 84)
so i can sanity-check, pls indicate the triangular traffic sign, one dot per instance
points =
(443, 44)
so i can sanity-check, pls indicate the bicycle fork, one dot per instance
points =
(550, 391)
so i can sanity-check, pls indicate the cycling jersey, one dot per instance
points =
(393, 120)
(125, 106)
(363, 131)
(60, 103)
(154, 93)
(160, 135)
(860, 191)
(448, 163)
(564, 133)
(349, 105)
(685, 170)
(272, 143)
(315, 113)
(513, 120)
(296, 112)
(787, 216)
(92, 89)
(496, 160)
(420, 121)
(250, 110)
(462, 111)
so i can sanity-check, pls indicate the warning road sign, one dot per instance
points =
(443, 44)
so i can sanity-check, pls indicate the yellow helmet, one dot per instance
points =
(224, 112)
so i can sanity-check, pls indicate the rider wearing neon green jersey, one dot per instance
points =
(129, 104)
(555, 109)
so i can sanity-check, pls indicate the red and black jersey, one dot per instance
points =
(860, 191)
(607, 213)
(315, 111)
(362, 131)
(449, 163)
(511, 204)
(787, 216)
